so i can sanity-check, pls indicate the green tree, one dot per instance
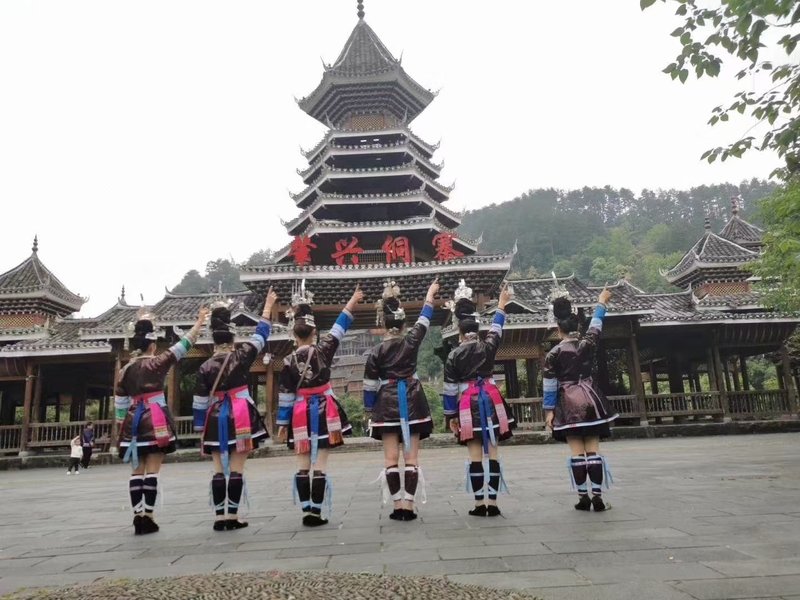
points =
(744, 29)
(779, 266)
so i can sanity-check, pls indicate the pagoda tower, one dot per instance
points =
(373, 208)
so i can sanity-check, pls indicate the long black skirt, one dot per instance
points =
(386, 412)
(258, 431)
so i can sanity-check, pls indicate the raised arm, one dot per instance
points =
(416, 334)
(330, 343)
(160, 364)
(495, 335)
(596, 324)
(248, 351)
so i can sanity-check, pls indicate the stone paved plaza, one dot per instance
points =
(705, 518)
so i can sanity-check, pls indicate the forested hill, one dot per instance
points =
(602, 234)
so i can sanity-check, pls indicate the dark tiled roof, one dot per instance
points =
(709, 251)
(535, 294)
(365, 63)
(732, 301)
(181, 309)
(63, 338)
(741, 232)
(31, 280)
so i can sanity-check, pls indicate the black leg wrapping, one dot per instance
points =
(302, 485)
(393, 481)
(218, 493)
(317, 492)
(136, 488)
(579, 473)
(494, 478)
(235, 487)
(476, 477)
(411, 482)
(595, 468)
(150, 492)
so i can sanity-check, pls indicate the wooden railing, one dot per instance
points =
(754, 403)
(60, 434)
(528, 412)
(10, 436)
(682, 405)
(184, 428)
(626, 406)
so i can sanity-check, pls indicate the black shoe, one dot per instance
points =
(584, 503)
(235, 524)
(493, 510)
(137, 524)
(147, 525)
(398, 514)
(312, 520)
(479, 511)
(598, 505)
(408, 514)
(219, 525)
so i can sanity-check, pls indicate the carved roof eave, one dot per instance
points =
(419, 195)
(56, 349)
(334, 150)
(371, 270)
(698, 257)
(72, 304)
(390, 74)
(332, 134)
(415, 223)
(689, 272)
(328, 173)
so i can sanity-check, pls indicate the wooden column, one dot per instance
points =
(37, 401)
(635, 372)
(788, 381)
(30, 382)
(721, 383)
(174, 390)
(532, 374)
(745, 374)
(269, 398)
(114, 423)
(675, 375)
(602, 368)
(727, 373)
(653, 377)
(737, 384)
(512, 381)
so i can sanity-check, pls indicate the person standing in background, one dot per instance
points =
(87, 443)
(75, 455)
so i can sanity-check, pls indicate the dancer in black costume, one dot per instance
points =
(576, 412)
(394, 397)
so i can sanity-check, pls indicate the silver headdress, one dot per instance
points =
(462, 293)
(390, 290)
(301, 296)
(558, 291)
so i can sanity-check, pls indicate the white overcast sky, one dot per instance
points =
(142, 138)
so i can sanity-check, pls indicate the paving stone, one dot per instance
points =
(745, 587)
(540, 542)
(522, 580)
(647, 572)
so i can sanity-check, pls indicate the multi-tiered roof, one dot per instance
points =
(373, 207)
(32, 295)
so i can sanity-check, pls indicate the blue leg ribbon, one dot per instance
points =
(132, 453)
(484, 423)
(402, 401)
(222, 428)
(313, 409)
(489, 407)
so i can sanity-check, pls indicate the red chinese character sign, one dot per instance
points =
(397, 249)
(300, 250)
(345, 248)
(443, 242)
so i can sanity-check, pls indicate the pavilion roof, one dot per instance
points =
(711, 252)
(741, 232)
(334, 134)
(446, 216)
(365, 78)
(31, 285)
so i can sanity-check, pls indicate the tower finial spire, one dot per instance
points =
(122, 294)
(35, 247)
(360, 9)
(734, 205)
